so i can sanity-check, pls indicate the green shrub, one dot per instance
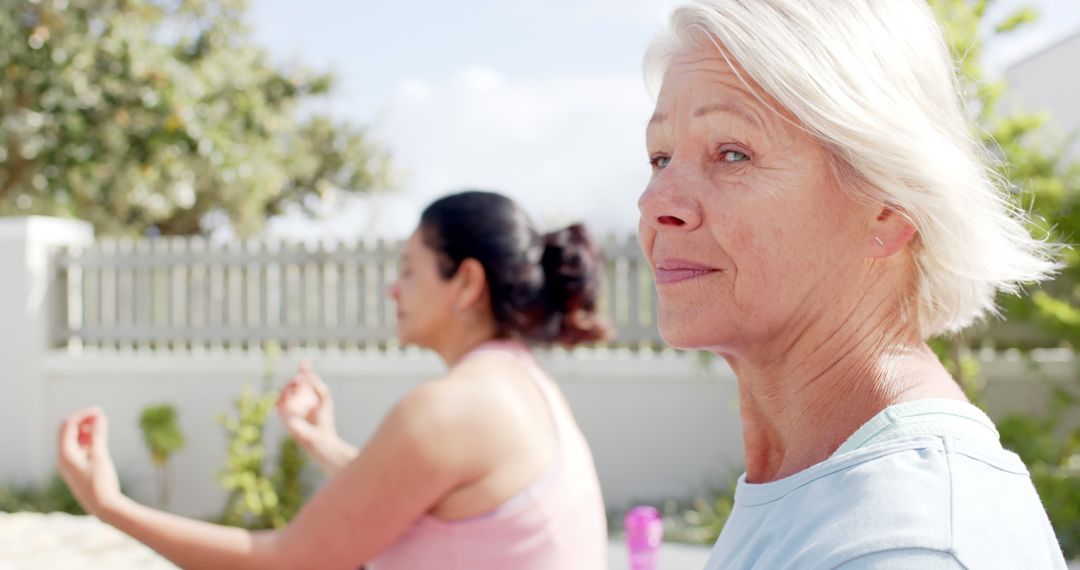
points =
(289, 479)
(255, 499)
(252, 501)
(53, 496)
(1050, 446)
(701, 519)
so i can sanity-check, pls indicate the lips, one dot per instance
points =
(670, 271)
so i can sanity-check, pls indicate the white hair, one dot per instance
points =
(874, 82)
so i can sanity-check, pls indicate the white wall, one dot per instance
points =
(659, 426)
(27, 295)
(1041, 83)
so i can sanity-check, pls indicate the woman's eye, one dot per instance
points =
(659, 161)
(733, 156)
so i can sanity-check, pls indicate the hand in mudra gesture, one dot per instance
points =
(307, 410)
(84, 462)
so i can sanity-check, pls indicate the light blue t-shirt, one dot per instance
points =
(922, 485)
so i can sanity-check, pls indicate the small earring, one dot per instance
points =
(879, 242)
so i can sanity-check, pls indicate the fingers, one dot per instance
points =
(286, 392)
(320, 387)
(99, 442)
(309, 377)
(290, 387)
(305, 395)
(81, 431)
(67, 443)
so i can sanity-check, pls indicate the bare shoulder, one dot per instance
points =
(435, 409)
(474, 400)
(449, 410)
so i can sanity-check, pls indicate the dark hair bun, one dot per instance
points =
(542, 288)
(572, 269)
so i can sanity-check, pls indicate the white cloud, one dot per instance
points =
(414, 89)
(566, 148)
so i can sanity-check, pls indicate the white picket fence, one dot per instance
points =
(182, 293)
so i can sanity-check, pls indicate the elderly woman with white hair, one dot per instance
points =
(818, 208)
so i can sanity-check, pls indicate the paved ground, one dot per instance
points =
(672, 557)
(56, 541)
(30, 541)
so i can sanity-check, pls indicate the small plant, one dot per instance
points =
(699, 520)
(163, 437)
(252, 501)
(705, 516)
(256, 500)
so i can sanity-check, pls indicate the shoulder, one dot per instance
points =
(892, 499)
(914, 497)
(437, 409)
(845, 507)
(929, 493)
(998, 518)
(463, 411)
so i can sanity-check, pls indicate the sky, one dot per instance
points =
(542, 100)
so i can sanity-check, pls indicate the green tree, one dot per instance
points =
(1045, 182)
(148, 115)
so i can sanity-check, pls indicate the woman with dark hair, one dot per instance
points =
(482, 468)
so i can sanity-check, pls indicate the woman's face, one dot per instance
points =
(423, 296)
(743, 223)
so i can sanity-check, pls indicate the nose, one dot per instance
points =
(394, 291)
(667, 205)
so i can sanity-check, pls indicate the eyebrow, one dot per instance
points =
(727, 108)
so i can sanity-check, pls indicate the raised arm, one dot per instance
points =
(85, 464)
(416, 457)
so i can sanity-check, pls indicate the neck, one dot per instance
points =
(800, 403)
(457, 341)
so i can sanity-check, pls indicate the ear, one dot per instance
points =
(470, 284)
(888, 233)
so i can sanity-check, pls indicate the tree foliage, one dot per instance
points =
(146, 116)
(161, 432)
(1045, 181)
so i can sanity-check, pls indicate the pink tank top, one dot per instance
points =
(557, 523)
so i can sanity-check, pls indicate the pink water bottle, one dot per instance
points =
(644, 531)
